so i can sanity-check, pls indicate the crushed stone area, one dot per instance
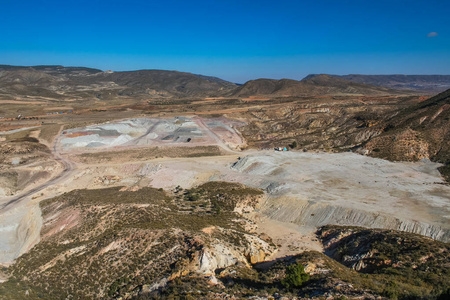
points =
(19, 231)
(306, 189)
(177, 131)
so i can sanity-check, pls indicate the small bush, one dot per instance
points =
(295, 276)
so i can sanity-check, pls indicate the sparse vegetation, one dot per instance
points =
(49, 132)
(293, 145)
(119, 234)
(149, 153)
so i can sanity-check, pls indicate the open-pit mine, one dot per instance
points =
(216, 197)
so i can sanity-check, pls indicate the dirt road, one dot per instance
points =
(20, 216)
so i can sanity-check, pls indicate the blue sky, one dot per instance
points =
(233, 40)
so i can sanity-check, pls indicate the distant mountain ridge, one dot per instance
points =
(78, 82)
(420, 83)
(59, 82)
(311, 85)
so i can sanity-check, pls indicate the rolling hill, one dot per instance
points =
(311, 85)
(60, 82)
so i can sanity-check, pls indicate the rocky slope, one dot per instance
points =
(131, 259)
(394, 128)
(334, 123)
(419, 265)
(417, 132)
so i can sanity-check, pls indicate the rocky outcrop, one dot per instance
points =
(368, 251)
(219, 254)
(307, 213)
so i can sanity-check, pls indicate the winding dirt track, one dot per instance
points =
(67, 171)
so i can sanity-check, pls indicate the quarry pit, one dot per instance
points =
(304, 190)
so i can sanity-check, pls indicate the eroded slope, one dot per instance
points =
(113, 242)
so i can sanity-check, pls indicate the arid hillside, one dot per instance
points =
(23, 163)
(58, 82)
(397, 128)
(310, 86)
(110, 243)
(150, 244)
(417, 132)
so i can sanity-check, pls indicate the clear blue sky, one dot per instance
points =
(233, 40)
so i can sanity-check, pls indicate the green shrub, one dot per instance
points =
(295, 276)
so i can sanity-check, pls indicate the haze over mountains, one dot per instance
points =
(60, 82)
(424, 83)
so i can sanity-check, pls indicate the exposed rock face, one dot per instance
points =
(374, 250)
(307, 213)
(219, 254)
